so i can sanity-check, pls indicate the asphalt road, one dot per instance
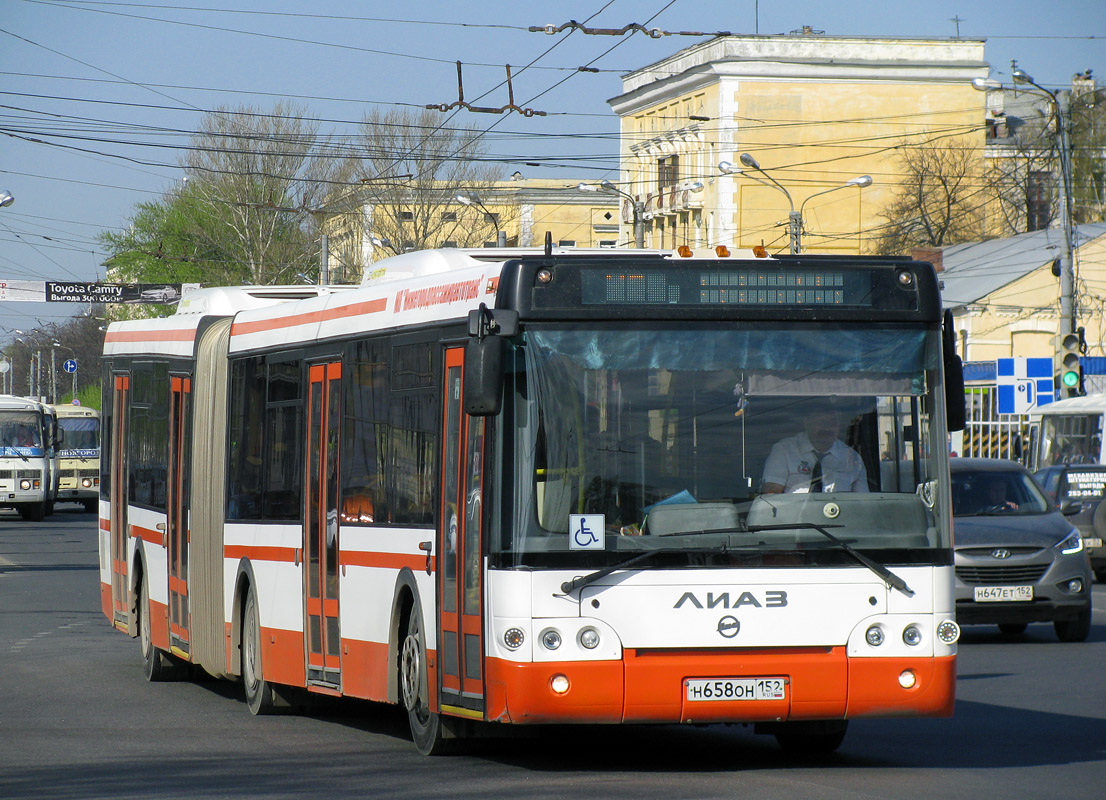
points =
(77, 720)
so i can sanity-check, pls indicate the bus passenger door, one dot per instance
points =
(179, 436)
(118, 499)
(324, 416)
(461, 646)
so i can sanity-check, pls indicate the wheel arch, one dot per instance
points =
(405, 602)
(244, 582)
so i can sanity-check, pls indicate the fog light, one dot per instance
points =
(907, 679)
(948, 632)
(559, 684)
(514, 638)
(87, 483)
(912, 636)
(24, 484)
(874, 636)
(1075, 586)
(589, 638)
(550, 639)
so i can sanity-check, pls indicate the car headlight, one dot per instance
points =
(1072, 543)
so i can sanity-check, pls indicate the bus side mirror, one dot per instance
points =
(954, 393)
(484, 358)
(954, 377)
(484, 376)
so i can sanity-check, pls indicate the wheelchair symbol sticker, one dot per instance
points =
(585, 531)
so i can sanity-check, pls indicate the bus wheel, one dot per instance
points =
(156, 665)
(426, 726)
(259, 693)
(812, 738)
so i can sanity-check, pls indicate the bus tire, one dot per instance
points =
(812, 738)
(259, 692)
(156, 664)
(33, 512)
(427, 731)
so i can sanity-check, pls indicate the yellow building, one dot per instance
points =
(815, 112)
(518, 212)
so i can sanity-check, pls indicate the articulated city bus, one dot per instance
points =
(507, 487)
(79, 455)
(28, 457)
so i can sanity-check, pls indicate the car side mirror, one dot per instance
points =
(1070, 507)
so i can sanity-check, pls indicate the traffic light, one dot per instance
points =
(1069, 373)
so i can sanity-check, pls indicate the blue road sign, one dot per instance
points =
(70, 365)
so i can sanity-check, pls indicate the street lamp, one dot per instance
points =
(6, 198)
(637, 206)
(500, 236)
(794, 218)
(1060, 106)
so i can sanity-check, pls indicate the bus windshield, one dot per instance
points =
(716, 436)
(20, 430)
(81, 433)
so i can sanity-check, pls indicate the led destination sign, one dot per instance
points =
(740, 287)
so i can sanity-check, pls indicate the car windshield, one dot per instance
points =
(667, 438)
(993, 492)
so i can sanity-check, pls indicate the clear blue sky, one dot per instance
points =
(92, 79)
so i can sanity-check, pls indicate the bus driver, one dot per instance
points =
(814, 460)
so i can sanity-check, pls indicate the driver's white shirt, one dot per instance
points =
(792, 459)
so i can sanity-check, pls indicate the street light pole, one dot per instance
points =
(500, 235)
(637, 206)
(794, 218)
(1061, 107)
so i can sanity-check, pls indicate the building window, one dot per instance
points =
(608, 243)
(449, 216)
(668, 171)
(407, 216)
(1038, 201)
(448, 243)
(566, 243)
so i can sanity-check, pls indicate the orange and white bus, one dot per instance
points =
(513, 487)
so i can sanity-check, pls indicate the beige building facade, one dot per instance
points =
(518, 212)
(815, 112)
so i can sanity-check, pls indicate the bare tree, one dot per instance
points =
(255, 180)
(938, 202)
(411, 169)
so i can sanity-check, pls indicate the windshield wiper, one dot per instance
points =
(892, 580)
(568, 587)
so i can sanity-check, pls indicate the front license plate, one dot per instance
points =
(1093, 541)
(737, 689)
(1003, 594)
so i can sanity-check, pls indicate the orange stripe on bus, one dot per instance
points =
(260, 552)
(105, 524)
(352, 310)
(147, 535)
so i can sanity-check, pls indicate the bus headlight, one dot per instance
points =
(874, 636)
(948, 632)
(24, 484)
(87, 483)
(912, 636)
(589, 638)
(513, 638)
(550, 639)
